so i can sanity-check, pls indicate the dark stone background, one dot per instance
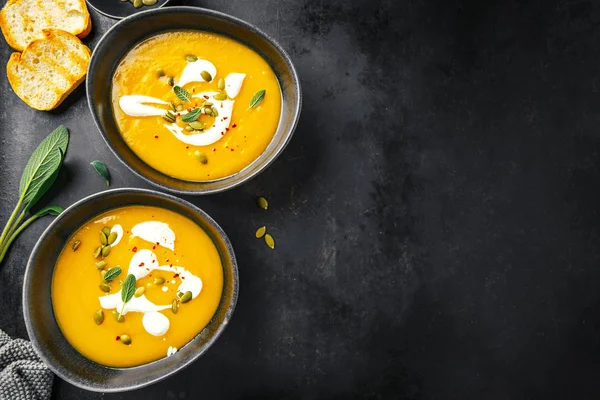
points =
(436, 213)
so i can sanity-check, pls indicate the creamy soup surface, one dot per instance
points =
(178, 281)
(227, 135)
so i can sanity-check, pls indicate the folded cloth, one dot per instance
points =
(23, 376)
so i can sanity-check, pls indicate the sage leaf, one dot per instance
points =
(181, 93)
(43, 165)
(257, 98)
(128, 289)
(51, 210)
(102, 170)
(191, 116)
(112, 273)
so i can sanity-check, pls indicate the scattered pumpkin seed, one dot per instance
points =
(206, 76)
(189, 128)
(207, 103)
(105, 287)
(159, 280)
(169, 117)
(160, 73)
(102, 273)
(215, 113)
(179, 107)
(118, 317)
(175, 306)
(197, 125)
(112, 237)
(270, 241)
(220, 96)
(125, 339)
(139, 291)
(260, 232)
(149, 2)
(99, 317)
(103, 239)
(221, 84)
(179, 295)
(262, 202)
(101, 264)
(171, 81)
(172, 106)
(97, 252)
(106, 250)
(187, 296)
(201, 157)
(138, 3)
(76, 245)
(191, 58)
(106, 230)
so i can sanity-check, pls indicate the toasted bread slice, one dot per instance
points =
(49, 69)
(22, 21)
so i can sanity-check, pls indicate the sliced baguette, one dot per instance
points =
(49, 69)
(22, 21)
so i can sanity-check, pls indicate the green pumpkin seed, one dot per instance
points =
(118, 317)
(262, 202)
(76, 245)
(149, 2)
(179, 294)
(138, 3)
(189, 128)
(105, 287)
(99, 317)
(201, 157)
(102, 273)
(103, 239)
(221, 84)
(260, 232)
(187, 296)
(97, 252)
(139, 291)
(125, 339)
(197, 125)
(220, 96)
(106, 250)
(207, 111)
(171, 81)
(270, 241)
(179, 107)
(175, 306)
(106, 230)
(101, 264)
(215, 113)
(169, 117)
(159, 281)
(112, 237)
(160, 73)
(172, 106)
(207, 103)
(206, 76)
(191, 58)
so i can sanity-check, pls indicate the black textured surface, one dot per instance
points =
(435, 214)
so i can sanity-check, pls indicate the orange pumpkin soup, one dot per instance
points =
(135, 284)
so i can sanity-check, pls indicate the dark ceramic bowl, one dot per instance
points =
(132, 30)
(44, 332)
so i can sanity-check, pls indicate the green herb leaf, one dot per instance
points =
(183, 94)
(51, 210)
(257, 98)
(128, 289)
(191, 116)
(112, 274)
(42, 169)
(102, 170)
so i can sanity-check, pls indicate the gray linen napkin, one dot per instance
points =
(23, 376)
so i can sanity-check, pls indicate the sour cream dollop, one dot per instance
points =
(192, 72)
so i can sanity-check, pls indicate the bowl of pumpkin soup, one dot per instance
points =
(126, 287)
(193, 100)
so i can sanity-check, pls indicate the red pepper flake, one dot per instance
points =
(167, 260)
(158, 243)
(234, 126)
(118, 338)
(206, 97)
(183, 277)
(187, 147)
(175, 276)
(194, 90)
(141, 264)
(178, 114)
(155, 136)
(153, 247)
(224, 118)
(214, 149)
(227, 129)
(148, 269)
(153, 261)
(170, 265)
(134, 249)
(222, 133)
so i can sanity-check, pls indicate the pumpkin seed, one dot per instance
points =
(208, 111)
(175, 306)
(101, 264)
(160, 73)
(179, 294)
(201, 157)
(215, 113)
(139, 291)
(197, 125)
(112, 237)
(149, 2)
(118, 317)
(191, 58)
(270, 241)
(206, 76)
(189, 128)
(207, 103)
(103, 239)
(220, 96)
(76, 245)
(102, 273)
(171, 81)
(172, 106)
(125, 339)
(187, 296)
(99, 317)
(159, 281)
(169, 117)
(106, 230)
(106, 250)
(260, 232)
(138, 3)
(221, 84)
(105, 287)
(179, 107)
(262, 202)
(97, 252)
